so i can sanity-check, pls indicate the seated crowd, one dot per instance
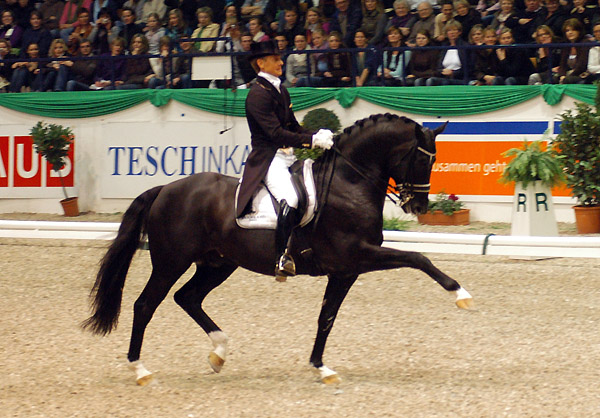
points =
(57, 45)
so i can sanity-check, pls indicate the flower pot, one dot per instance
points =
(438, 217)
(70, 206)
(587, 219)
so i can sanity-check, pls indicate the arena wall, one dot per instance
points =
(117, 156)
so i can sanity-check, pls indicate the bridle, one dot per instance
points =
(404, 192)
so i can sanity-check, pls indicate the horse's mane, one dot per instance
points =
(359, 125)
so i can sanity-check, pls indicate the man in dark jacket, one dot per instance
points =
(346, 20)
(274, 131)
(81, 74)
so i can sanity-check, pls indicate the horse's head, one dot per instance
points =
(414, 190)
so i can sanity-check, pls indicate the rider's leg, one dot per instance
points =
(286, 221)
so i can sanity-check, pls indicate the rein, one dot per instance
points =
(404, 192)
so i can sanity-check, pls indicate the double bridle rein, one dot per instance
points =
(404, 192)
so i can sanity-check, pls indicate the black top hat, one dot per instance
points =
(263, 49)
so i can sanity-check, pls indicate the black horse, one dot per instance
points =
(192, 220)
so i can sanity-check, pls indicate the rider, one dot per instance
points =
(274, 131)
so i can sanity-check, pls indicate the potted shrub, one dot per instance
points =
(445, 209)
(577, 147)
(534, 171)
(52, 142)
(313, 121)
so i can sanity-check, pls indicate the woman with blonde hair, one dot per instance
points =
(206, 29)
(138, 71)
(49, 72)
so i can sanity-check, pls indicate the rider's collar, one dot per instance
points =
(275, 81)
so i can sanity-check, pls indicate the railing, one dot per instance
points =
(468, 70)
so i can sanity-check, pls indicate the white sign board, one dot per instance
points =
(211, 68)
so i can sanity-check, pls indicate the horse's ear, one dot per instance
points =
(440, 129)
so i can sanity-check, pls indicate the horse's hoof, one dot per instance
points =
(215, 361)
(281, 279)
(144, 380)
(463, 299)
(334, 379)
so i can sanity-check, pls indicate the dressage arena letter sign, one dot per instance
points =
(533, 211)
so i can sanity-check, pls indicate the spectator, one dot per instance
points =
(21, 11)
(346, 20)
(81, 75)
(129, 28)
(486, 61)
(111, 72)
(338, 64)
(154, 6)
(317, 61)
(138, 9)
(162, 67)
(231, 19)
(247, 73)
(426, 20)
(467, 17)
(423, 62)
(374, 21)
(555, 16)
(256, 30)
(82, 28)
(36, 33)
(476, 35)
(252, 8)
(486, 9)
(402, 18)
(25, 73)
(392, 71)
(154, 32)
(110, 6)
(573, 60)
(217, 7)
(5, 67)
(137, 70)
(297, 64)
(176, 27)
(446, 15)
(49, 72)
(528, 20)
(364, 63)
(51, 11)
(10, 30)
(501, 17)
(593, 68)
(70, 12)
(292, 26)
(106, 32)
(187, 9)
(514, 65)
(547, 60)
(582, 13)
(182, 76)
(314, 21)
(206, 29)
(273, 12)
(230, 29)
(453, 63)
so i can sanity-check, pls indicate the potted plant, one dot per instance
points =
(534, 171)
(313, 121)
(577, 147)
(52, 142)
(445, 209)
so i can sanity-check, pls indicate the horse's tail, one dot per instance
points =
(108, 289)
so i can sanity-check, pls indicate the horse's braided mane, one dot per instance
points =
(360, 124)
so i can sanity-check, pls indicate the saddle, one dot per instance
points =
(263, 214)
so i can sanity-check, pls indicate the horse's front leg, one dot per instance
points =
(375, 258)
(337, 289)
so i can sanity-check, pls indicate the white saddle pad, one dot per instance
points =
(263, 214)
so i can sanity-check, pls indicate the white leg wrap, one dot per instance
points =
(219, 340)
(462, 294)
(139, 369)
(325, 372)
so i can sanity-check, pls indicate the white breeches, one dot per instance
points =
(279, 179)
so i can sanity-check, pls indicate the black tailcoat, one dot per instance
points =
(272, 126)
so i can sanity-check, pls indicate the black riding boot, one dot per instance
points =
(286, 221)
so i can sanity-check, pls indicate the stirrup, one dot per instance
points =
(286, 266)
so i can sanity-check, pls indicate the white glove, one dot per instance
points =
(323, 139)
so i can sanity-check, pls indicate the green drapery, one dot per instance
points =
(436, 101)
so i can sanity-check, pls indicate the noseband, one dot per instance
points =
(404, 192)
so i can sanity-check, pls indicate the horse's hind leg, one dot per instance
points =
(144, 307)
(190, 298)
(336, 291)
